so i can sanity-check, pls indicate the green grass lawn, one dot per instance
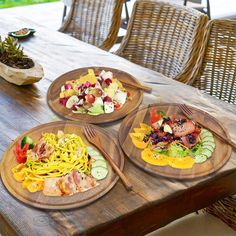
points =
(16, 3)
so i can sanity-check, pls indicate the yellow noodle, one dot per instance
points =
(70, 153)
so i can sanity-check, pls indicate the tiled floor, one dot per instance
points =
(50, 15)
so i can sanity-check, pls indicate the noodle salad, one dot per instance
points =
(58, 164)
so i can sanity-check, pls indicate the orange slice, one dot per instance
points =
(145, 126)
(137, 139)
(158, 160)
(181, 162)
(90, 77)
(140, 130)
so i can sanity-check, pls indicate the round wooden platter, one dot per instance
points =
(219, 157)
(64, 202)
(129, 106)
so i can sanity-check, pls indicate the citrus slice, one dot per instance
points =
(140, 130)
(137, 139)
(149, 157)
(145, 126)
(181, 162)
(90, 77)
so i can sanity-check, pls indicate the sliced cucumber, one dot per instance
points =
(208, 146)
(203, 131)
(98, 157)
(93, 153)
(89, 148)
(206, 153)
(99, 163)
(99, 172)
(206, 134)
(200, 158)
(208, 139)
(28, 140)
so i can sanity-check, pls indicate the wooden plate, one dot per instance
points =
(65, 202)
(219, 158)
(129, 106)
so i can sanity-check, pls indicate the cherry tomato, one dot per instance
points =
(117, 106)
(154, 116)
(197, 130)
(90, 98)
(20, 153)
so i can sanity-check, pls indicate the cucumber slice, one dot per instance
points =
(203, 131)
(98, 157)
(208, 146)
(99, 163)
(206, 153)
(99, 172)
(208, 139)
(206, 134)
(28, 140)
(93, 153)
(200, 158)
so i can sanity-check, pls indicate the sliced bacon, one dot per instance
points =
(186, 142)
(69, 184)
(51, 187)
(180, 130)
(84, 182)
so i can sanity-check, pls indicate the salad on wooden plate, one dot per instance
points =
(162, 141)
(94, 94)
(173, 140)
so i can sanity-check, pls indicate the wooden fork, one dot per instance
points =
(190, 115)
(93, 138)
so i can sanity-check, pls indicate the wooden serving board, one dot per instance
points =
(64, 202)
(129, 106)
(219, 157)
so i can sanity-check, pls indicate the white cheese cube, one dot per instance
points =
(108, 107)
(120, 97)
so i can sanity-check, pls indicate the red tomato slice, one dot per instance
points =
(21, 153)
(117, 105)
(90, 98)
(154, 116)
(21, 158)
(197, 130)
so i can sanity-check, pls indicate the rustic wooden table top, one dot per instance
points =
(155, 201)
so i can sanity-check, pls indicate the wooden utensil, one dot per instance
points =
(136, 85)
(93, 138)
(189, 114)
(219, 157)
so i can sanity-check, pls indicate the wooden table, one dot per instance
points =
(155, 201)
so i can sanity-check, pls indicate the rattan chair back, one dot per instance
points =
(96, 22)
(164, 37)
(217, 65)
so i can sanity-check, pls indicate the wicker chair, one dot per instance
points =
(95, 22)
(164, 37)
(217, 64)
(225, 210)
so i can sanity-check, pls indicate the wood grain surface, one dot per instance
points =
(155, 200)
(219, 157)
(64, 202)
(55, 89)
